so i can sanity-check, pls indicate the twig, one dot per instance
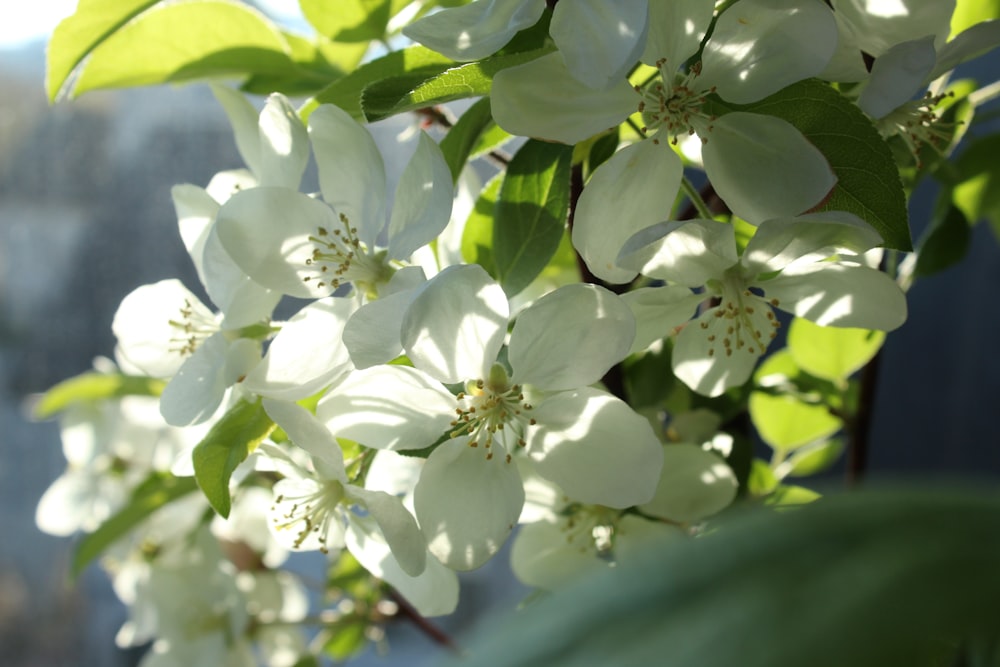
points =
(435, 633)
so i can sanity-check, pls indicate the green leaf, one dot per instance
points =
(226, 445)
(477, 235)
(788, 496)
(832, 353)
(78, 34)
(348, 20)
(815, 459)
(944, 243)
(649, 378)
(314, 64)
(977, 196)
(414, 62)
(531, 212)
(864, 579)
(392, 96)
(762, 481)
(784, 422)
(186, 40)
(92, 386)
(457, 145)
(969, 12)
(868, 182)
(347, 638)
(156, 491)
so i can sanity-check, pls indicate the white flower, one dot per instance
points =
(782, 267)
(599, 39)
(469, 494)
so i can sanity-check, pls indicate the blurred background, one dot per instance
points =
(86, 216)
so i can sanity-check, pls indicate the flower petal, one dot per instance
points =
(595, 447)
(971, 43)
(676, 30)
(760, 46)
(195, 392)
(388, 407)
(242, 301)
(398, 527)
(688, 252)
(704, 362)
(351, 171)
(897, 75)
(477, 30)
(467, 505)
(284, 144)
(544, 554)
(541, 99)
(658, 311)
(454, 328)
(694, 485)
(308, 433)
(877, 25)
(839, 295)
(287, 517)
(307, 354)
(372, 335)
(570, 337)
(763, 167)
(245, 123)
(615, 205)
(195, 209)
(599, 39)
(422, 205)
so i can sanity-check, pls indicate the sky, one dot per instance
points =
(22, 22)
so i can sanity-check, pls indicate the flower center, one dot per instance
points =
(917, 125)
(675, 108)
(192, 327)
(493, 413)
(339, 258)
(742, 319)
(311, 513)
(591, 528)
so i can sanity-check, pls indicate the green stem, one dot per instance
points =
(695, 198)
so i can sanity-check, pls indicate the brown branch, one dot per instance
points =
(435, 633)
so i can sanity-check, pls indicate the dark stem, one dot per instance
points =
(435, 633)
(859, 428)
(436, 116)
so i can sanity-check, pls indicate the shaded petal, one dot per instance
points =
(467, 505)
(760, 46)
(877, 25)
(694, 485)
(454, 328)
(351, 171)
(897, 76)
(658, 311)
(266, 231)
(244, 120)
(195, 392)
(541, 99)
(615, 205)
(308, 433)
(703, 361)
(809, 238)
(433, 593)
(398, 527)
(195, 209)
(676, 30)
(242, 301)
(284, 144)
(596, 448)
(388, 407)
(688, 252)
(968, 44)
(307, 354)
(570, 338)
(423, 199)
(476, 30)
(763, 167)
(546, 555)
(372, 335)
(599, 39)
(839, 295)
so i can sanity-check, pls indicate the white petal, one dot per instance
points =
(877, 25)
(897, 75)
(570, 337)
(694, 485)
(454, 328)
(596, 448)
(541, 99)
(688, 252)
(388, 407)
(372, 335)
(599, 39)
(615, 204)
(968, 44)
(196, 211)
(422, 205)
(196, 391)
(399, 528)
(467, 505)
(810, 238)
(307, 354)
(242, 301)
(284, 144)
(763, 167)
(244, 120)
(308, 433)
(839, 295)
(712, 373)
(477, 30)
(266, 231)
(676, 30)
(760, 46)
(80, 499)
(433, 593)
(546, 555)
(286, 518)
(658, 311)
(351, 171)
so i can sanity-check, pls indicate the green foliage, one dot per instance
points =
(866, 579)
(977, 195)
(458, 144)
(227, 444)
(815, 458)
(784, 421)
(868, 182)
(944, 243)
(530, 213)
(649, 378)
(477, 236)
(314, 64)
(832, 353)
(970, 12)
(348, 20)
(89, 387)
(156, 491)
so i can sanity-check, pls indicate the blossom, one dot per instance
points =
(598, 39)
(782, 267)
(470, 494)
